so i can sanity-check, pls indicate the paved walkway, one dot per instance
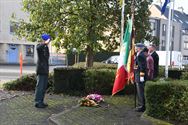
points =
(17, 109)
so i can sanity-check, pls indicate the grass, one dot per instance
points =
(155, 121)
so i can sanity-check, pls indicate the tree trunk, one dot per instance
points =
(89, 57)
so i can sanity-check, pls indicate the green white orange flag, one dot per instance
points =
(122, 74)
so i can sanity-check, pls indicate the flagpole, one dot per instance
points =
(133, 38)
(122, 22)
(168, 40)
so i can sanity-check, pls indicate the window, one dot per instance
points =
(185, 57)
(29, 50)
(186, 45)
(164, 29)
(13, 27)
(172, 45)
(163, 45)
(153, 28)
(173, 30)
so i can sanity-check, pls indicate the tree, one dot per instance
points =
(141, 18)
(86, 25)
(80, 24)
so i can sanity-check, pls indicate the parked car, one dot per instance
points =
(112, 60)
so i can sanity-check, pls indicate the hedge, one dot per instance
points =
(96, 65)
(68, 80)
(99, 81)
(167, 100)
(85, 81)
(27, 83)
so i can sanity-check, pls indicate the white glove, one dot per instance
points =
(142, 79)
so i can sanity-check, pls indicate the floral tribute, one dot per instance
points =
(91, 100)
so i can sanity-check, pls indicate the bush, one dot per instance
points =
(184, 76)
(68, 80)
(85, 81)
(27, 83)
(161, 71)
(175, 73)
(96, 65)
(99, 81)
(167, 100)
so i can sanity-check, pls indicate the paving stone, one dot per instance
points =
(64, 110)
(21, 111)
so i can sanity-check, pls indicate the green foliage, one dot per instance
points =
(142, 23)
(81, 24)
(77, 24)
(96, 65)
(161, 71)
(175, 73)
(184, 75)
(99, 81)
(27, 83)
(167, 100)
(68, 80)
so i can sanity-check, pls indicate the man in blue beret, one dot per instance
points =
(42, 71)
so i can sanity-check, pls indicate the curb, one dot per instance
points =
(52, 119)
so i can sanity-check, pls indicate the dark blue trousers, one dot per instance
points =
(140, 94)
(42, 83)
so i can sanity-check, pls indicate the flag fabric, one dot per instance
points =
(164, 6)
(130, 63)
(121, 78)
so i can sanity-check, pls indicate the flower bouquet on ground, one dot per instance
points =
(91, 100)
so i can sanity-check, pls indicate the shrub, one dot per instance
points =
(27, 83)
(99, 80)
(96, 65)
(175, 73)
(161, 71)
(167, 100)
(68, 80)
(184, 75)
(81, 81)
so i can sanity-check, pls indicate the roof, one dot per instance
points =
(179, 17)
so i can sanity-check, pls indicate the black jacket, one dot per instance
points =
(156, 64)
(43, 58)
(140, 67)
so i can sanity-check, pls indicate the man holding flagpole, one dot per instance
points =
(140, 75)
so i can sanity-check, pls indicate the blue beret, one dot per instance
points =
(45, 37)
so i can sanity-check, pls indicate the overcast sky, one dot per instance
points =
(177, 3)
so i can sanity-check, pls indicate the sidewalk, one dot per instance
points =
(64, 110)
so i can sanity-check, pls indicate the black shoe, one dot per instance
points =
(45, 104)
(40, 105)
(140, 109)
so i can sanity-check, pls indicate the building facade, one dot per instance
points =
(179, 29)
(10, 45)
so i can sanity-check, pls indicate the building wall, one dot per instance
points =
(184, 47)
(161, 29)
(8, 39)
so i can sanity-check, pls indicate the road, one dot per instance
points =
(11, 72)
